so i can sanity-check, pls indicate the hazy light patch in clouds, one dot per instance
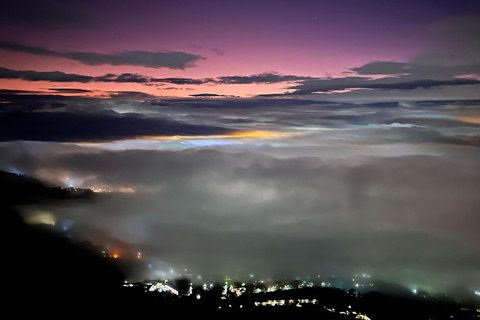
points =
(469, 119)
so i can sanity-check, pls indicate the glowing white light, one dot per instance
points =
(39, 217)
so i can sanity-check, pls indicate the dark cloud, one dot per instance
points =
(209, 95)
(69, 90)
(442, 103)
(52, 76)
(171, 88)
(172, 60)
(41, 126)
(218, 52)
(183, 81)
(444, 61)
(426, 83)
(123, 78)
(382, 67)
(268, 77)
(30, 100)
(19, 96)
(391, 83)
(428, 65)
(58, 76)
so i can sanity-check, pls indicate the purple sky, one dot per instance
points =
(303, 38)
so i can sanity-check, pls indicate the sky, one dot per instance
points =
(255, 137)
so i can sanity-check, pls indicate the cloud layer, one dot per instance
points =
(219, 212)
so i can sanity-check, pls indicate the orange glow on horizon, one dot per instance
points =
(239, 134)
(469, 119)
(234, 135)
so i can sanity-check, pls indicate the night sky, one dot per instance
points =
(254, 137)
